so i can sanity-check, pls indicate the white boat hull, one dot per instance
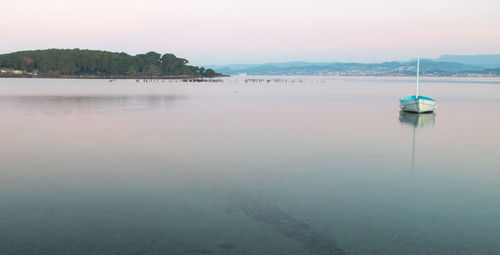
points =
(418, 105)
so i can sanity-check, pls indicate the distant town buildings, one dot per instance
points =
(11, 71)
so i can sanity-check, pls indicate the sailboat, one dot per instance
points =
(416, 103)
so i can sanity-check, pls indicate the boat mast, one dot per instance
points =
(418, 71)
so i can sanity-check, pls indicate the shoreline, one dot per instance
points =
(177, 77)
(160, 77)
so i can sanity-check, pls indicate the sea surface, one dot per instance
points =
(249, 165)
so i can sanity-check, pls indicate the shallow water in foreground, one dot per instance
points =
(324, 166)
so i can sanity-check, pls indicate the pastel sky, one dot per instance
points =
(256, 31)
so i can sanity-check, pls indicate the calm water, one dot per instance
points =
(324, 166)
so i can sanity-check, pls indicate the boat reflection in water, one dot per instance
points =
(417, 121)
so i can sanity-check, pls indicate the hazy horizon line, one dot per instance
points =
(262, 62)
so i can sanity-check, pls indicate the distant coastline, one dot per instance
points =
(95, 64)
(445, 66)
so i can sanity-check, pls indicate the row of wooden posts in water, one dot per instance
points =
(179, 80)
(227, 80)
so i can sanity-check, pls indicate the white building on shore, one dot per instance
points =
(10, 70)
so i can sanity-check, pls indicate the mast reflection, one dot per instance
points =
(416, 120)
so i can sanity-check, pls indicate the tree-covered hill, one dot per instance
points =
(94, 63)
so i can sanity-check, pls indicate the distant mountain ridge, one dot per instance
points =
(473, 65)
(276, 64)
(487, 61)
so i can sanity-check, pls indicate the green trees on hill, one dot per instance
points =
(101, 63)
